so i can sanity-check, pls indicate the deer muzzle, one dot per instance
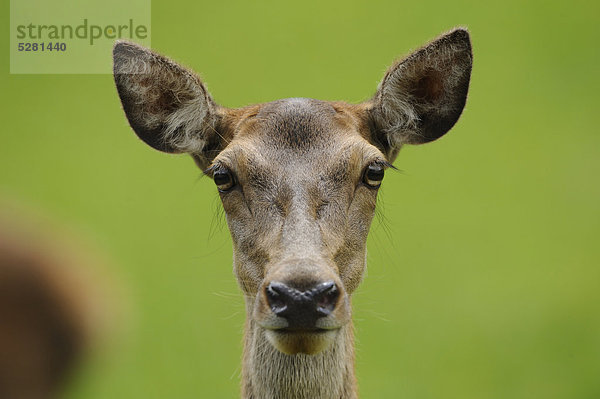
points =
(302, 308)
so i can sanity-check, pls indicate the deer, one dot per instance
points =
(298, 180)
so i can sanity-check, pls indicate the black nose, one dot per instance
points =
(302, 308)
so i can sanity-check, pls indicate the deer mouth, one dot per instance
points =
(294, 339)
(303, 330)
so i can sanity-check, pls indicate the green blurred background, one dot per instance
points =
(483, 277)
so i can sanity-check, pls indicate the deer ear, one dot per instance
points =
(167, 106)
(422, 96)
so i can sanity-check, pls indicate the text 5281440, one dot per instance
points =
(42, 46)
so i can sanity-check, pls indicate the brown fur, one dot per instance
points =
(47, 310)
(300, 209)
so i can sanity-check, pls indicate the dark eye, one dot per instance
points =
(373, 175)
(223, 179)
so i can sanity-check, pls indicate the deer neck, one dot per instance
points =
(269, 374)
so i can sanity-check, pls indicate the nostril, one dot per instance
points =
(276, 297)
(326, 298)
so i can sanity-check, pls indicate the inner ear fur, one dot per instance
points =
(422, 96)
(167, 105)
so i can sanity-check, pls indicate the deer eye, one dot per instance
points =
(373, 175)
(223, 179)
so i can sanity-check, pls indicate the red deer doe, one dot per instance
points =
(298, 179)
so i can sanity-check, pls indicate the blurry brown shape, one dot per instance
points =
(46, 311)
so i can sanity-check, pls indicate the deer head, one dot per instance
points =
(298, 179)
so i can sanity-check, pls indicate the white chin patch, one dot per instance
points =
(309, 343)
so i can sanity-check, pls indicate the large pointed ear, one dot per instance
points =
(422, 96)
(167, 106)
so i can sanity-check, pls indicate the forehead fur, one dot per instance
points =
(283, 132)
(297, 123)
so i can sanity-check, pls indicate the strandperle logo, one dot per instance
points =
(86, 31)
(74, 37)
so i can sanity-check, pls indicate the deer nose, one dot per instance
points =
(302, 308)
